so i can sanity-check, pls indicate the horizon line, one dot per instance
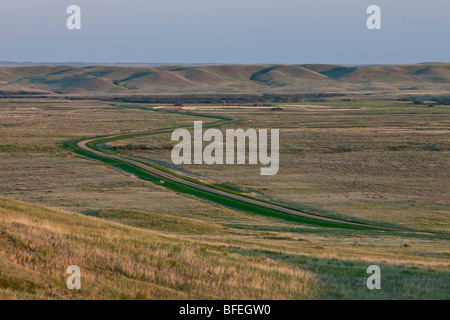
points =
(155, 64)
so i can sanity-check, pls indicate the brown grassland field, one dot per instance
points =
(377, 160)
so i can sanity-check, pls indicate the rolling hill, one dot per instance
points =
(174, 79)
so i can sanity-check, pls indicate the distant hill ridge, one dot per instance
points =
(224, 78)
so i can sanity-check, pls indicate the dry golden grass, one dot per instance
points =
(118, 262)
(121, 262)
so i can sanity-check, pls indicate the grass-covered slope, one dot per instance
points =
(227, 79)
(119, 262)
(123, 262)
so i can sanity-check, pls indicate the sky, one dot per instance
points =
(225, 31)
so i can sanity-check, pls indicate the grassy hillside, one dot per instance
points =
(123, 262)
(117, 262)
(225, 78)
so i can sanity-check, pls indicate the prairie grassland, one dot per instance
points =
(121, 262)
(135, 239)
(387, 165)
(34, 168)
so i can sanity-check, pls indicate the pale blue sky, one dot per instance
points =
(226, 31)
